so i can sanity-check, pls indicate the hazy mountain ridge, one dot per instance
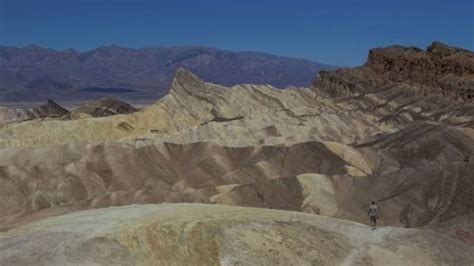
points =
(34, 73)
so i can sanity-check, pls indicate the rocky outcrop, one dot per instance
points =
(52, 110)
(440, 69)
(412, 64)
(17, 114)
(103, 107)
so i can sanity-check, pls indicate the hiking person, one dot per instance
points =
(373, 213)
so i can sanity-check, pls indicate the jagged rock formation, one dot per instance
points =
(101, 108)
(356, 135)
(49, 110)
(441, 70)
(104, 107)
(198, 111)
(195, 234)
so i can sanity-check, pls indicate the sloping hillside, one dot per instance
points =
(354, 136)
(196, 234)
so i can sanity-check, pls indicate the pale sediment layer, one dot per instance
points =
(196, 234)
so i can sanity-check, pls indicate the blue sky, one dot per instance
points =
(329, 31)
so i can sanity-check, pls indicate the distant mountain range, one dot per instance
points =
(34, 73)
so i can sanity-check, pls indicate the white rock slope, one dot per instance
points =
(196, 234)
